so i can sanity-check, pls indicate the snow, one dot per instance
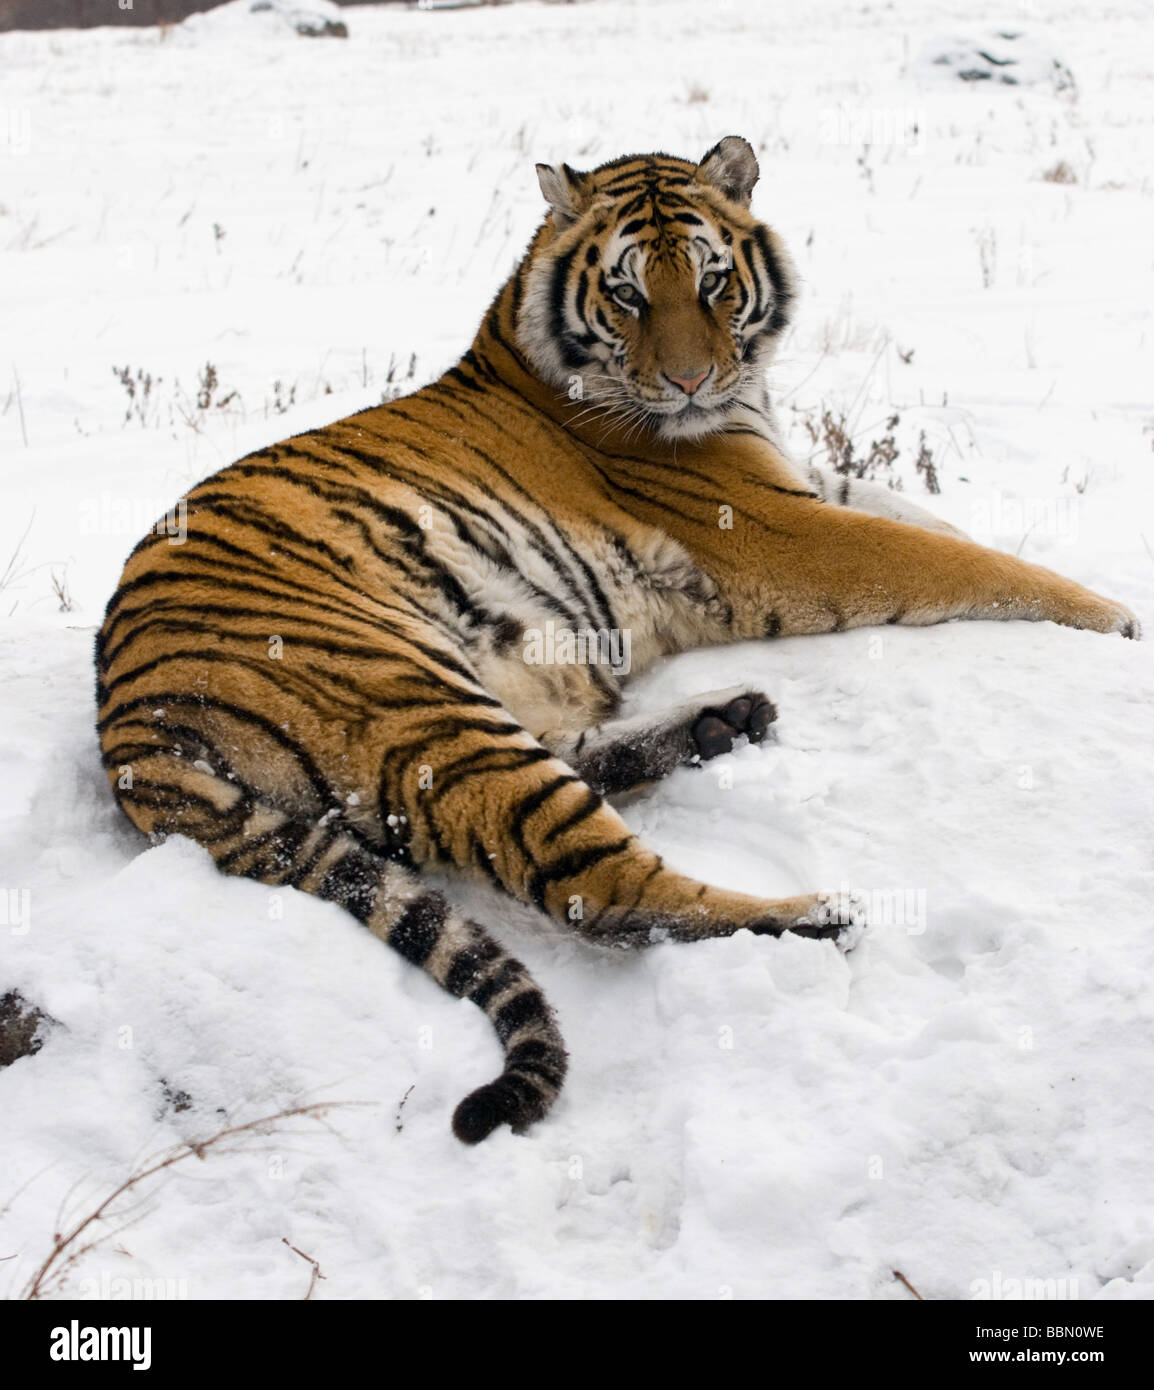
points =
(966, 1096)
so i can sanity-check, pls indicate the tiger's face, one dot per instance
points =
(652, 294)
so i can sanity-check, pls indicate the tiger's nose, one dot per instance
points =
(689, 384)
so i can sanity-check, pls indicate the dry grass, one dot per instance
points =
(316, 1269)
(924, 463)
(838, 444)
(831, 435)
(61, 590)
(71, 1245)
(1060, 173)
(397, 383)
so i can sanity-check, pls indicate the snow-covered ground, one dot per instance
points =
(967, 1096)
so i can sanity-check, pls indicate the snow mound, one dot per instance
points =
(309, 18)
(1005, 57)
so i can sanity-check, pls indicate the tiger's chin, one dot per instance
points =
(693, 422)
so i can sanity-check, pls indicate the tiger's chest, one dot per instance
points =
(558, 620)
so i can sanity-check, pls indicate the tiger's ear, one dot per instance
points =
(562, 188)
(731, 167)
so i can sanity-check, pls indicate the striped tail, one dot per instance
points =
(462, 957)
(330, 859)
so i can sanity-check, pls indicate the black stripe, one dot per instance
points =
(522, 1009)
(590, 804)
(538, 1058)
(507, 974)
(353, 883)
(537, 799)
(420, 927)
(468, 964)
(570, 866)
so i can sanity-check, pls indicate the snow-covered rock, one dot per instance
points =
(22, 1028)
(1002, 57)
(309, 18)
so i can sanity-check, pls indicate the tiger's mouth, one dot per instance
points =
(674, 420)
(686, 415)
(615, 395)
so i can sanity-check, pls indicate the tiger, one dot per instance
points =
(400, 642)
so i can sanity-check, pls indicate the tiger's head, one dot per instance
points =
(652, 293)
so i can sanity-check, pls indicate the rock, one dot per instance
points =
(1002, 58)
(315, 19)
(21, 1028)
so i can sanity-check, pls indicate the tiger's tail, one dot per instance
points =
(464, 959)
(330, 860)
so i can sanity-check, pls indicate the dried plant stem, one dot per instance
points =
(400, 1122)
(899, 1275)
(57, 1263)
(20, 405)
(316, 1274)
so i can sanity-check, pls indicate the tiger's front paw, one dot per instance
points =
(736, 712)
(837, 916)
(1104, 615)
(1126, 623)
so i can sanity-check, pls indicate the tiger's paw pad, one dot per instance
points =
(715, 732)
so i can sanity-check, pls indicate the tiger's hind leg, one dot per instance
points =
(623, 753)
(490, 797)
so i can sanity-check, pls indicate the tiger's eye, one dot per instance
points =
(713, 279)
(628, 295)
